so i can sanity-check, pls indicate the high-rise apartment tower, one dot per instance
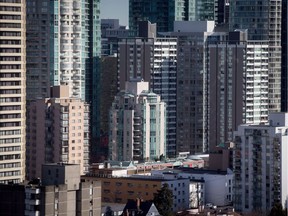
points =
(63, 38)
(63, 48)
(58, 132)
(12, 90)
(263, 21)
(154, 60)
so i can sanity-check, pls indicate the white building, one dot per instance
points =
(137, 124)
(260, 164)
(217, 188)
(195, 188)
(196, 193)
(256, 82)
(179, 187)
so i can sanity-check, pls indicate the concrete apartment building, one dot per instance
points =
(222, 81)
(108, 85)
(260, 164)
(64, 48)
(58, 132)
(12, 90)
(163, 83)
(225, 76)
(60, 192)
(111, 32)
(192, 108)
(120, 189)
(217, 185)
(237, 82)
(153, 59)
(137, 124)
(263, 22)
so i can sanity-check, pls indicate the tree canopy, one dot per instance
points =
(163, 200)
(277, 210)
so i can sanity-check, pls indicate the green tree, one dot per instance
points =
(277, 210)
(163, 200)
(108, 211)
(162, 157)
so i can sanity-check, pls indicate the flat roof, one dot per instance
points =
(197, 171)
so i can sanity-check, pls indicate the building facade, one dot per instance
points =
(163, 83)
(165, 12)
(222, 81)
(111, 31)
(109, 88)
(226, 75)
(217, 185)
(61, 46)
(263, 21)
(119, 189)
(259, 164)
(155, 61)
(237, 82)
(12, 90)
(60, 192)
(284, 45)
(58, 132)
(192, 90)
(137, 124)
(135, 60)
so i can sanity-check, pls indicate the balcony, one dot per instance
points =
(76, 5)
(34, 213)
(32, 202)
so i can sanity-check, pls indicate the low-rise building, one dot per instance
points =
(121, 189)
(59, 192)
(218, 185)
(128, 168)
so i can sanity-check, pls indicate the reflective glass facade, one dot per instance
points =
(165, 12)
